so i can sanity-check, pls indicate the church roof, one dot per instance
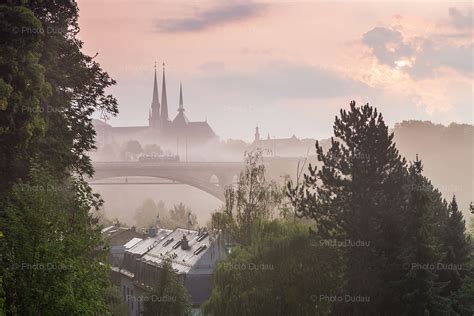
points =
(200, 129)
(180, 120)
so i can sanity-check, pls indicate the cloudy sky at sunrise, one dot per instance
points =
(286, 66)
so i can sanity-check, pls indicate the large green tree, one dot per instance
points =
(51, 259)
(276, 265)
(285, 272)
(357, 196)
(249, 204)
(24, 92)
(48, 91)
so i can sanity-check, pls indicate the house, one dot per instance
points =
(193, 255)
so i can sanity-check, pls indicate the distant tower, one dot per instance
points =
(257, 135)
(164, 99)
(154, 115)
(180, 107)
(180, 121)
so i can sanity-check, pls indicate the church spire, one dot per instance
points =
(164, 99)
(180, 108)
(154, 115)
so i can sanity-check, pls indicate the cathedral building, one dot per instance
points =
(161, 129)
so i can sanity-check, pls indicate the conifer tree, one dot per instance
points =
(456, 269)
(358, 196)
(420, 257)
(457, 248)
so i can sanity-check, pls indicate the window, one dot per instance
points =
(177, 244)
(169, 241)
(200, 249)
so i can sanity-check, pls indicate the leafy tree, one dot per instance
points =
(145, 215)
(51, 255)
(276, 270)
(252, 202)
(23, 92)
(358, 195)
(180, 216)
(168, 296)
(48, 91)
(133, 146)
(153, 149)
(286, 272)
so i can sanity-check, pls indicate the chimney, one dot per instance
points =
(184, 243)
(158, 222)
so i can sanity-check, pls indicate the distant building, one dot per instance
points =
(193, 255)
(120, 239)
(160, 130)
(283, 147)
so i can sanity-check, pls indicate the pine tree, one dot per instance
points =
(456, 268)
(457, 247)
(420, 257)
(358, 196)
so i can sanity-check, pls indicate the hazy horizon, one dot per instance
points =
(285, 74)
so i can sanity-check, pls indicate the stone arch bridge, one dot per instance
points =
(195, 174)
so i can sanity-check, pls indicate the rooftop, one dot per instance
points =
(182, 260)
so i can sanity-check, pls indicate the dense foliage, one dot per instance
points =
(384, 240)
(365, 192)
(168, 296)
(51, 257)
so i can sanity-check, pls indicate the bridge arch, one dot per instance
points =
(197, 175)
(214, 180)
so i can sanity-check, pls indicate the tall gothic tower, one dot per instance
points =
(154, 119)
(164, 101)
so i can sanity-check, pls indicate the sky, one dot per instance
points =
(286, 66)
